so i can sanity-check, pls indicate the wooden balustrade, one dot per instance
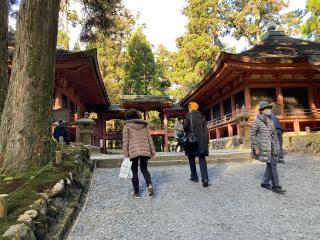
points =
(224, 120)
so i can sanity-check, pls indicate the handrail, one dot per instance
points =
(223, 119)
(252, 112)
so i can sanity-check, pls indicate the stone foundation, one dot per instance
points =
(51, 215)
(225, 143)
(302, 142)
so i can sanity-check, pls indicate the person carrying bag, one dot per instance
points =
(138, 146)
(125, 169)
(196, 143)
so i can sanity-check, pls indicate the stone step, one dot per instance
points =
(165, 160)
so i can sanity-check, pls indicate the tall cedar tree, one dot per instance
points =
(163, 60)
(199, 46)
(111, 53)
(251, 18)
(99, 16)
(140, 67)
(4, 10)
(25, 138)
(209, 20)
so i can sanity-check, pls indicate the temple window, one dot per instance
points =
(239, 100)
(216, 111)
(227, 108)
(262, 94)
(295, 98)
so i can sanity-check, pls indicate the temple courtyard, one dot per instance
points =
(233, 207)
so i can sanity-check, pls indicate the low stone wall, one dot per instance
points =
(303, 142)
(51, 215)
(225, 143)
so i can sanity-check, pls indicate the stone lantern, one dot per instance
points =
(245, 127)
(85, 131)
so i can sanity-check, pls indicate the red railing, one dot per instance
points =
(252, 113)
(222, 120)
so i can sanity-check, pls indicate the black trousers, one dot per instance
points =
(143, 169)
(179, 143)
(203, 168)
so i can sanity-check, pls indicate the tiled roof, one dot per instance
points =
(277, 44)
(145, 98)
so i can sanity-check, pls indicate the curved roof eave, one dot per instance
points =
(225, 56)
(92, 55)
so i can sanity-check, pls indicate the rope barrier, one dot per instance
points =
(33, 177)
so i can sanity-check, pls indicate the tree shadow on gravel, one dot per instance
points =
(216, 171)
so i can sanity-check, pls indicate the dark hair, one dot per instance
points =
(132, 114)
(180, 118)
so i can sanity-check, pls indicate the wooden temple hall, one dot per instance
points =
(281, 70)
(79, 88)
(162, 106)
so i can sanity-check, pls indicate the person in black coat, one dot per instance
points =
(61, 131)
(278, 126)
(201, 150)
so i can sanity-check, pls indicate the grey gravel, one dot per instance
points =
(233, 207)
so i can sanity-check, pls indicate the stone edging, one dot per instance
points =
(52, 214)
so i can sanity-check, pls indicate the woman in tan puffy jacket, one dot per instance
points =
(138, 145)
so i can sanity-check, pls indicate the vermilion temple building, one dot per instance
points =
(79, 88)
(280, 69)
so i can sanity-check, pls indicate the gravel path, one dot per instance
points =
(233, 207)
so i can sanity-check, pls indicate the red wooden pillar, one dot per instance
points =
(165, 124)
(279, 95)
(230, 131)
(58, 99)
(218, 135)
(238, 129)
(311, 100)
(296, 126)
(247, 97)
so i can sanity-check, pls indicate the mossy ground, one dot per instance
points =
(25, 196)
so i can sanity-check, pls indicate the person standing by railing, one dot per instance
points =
(178, 133)
(265, 146)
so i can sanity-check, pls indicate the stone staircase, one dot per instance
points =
(166, 159)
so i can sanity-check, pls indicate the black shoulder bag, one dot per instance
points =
(190, 141)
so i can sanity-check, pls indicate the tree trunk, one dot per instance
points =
(25, 129)
(3, 53)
